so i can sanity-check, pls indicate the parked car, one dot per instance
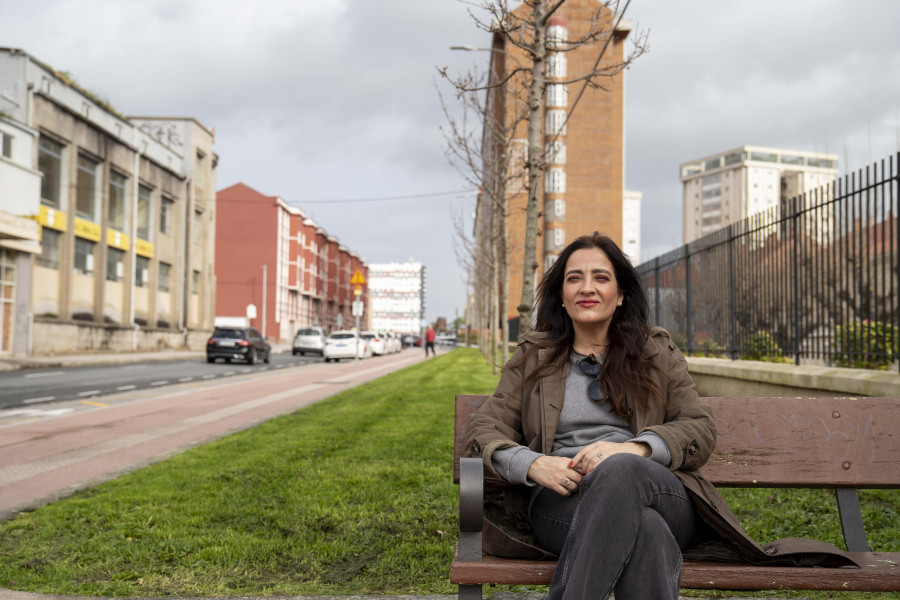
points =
(311, 339)
(408, 340)
(377, 341)
(345, 344)
(394, 344)
(237, 343)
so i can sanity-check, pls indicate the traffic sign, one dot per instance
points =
(357, 290)
(358, 278)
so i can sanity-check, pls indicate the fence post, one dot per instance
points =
(731, 293)
(687, 292)
(795, 243)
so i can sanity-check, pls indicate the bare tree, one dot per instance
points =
(517, 75)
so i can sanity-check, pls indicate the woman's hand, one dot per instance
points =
(553, 472)
(592, 455)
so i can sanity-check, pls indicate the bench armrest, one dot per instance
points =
(471, 508)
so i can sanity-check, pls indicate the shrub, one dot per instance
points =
(762, 346)
(865, 345)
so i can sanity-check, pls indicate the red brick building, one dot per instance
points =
(271, 255)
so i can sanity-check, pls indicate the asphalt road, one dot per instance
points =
(34, 387)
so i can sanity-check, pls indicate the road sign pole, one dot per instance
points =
(357, 339)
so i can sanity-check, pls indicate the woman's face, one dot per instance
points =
(590, 290)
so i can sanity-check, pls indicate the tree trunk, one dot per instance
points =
(533, 166)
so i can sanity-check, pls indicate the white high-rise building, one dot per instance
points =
(397, 296)
(631, 226)
(730, 186)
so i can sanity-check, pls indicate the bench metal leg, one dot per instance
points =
(851, 519)
(469, 592)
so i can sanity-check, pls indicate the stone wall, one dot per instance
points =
(722, 377)
(52, 336)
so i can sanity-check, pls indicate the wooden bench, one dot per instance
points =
(840, 443)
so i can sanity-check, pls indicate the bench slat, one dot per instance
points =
(881, 573)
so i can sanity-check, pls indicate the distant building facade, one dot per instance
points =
(583, 184)
(271, 255)
(730, 186)
(125, 216)
(631, 226)
(397, 292)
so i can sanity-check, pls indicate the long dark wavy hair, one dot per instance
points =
(624, 366)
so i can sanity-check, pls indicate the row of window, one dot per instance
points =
(115, 262)
(88, 197)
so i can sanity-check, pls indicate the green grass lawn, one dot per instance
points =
(352, 495)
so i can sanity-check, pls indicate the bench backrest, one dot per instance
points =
(786, 442)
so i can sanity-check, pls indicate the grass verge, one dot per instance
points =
(350, 496)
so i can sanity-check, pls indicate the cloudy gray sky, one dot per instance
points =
(332, 104)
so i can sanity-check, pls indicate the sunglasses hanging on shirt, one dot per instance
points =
(591, 367)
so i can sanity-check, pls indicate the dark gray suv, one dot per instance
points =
(237, 343)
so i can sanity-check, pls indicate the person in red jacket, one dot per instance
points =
(429, 341)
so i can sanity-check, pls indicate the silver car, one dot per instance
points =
(311, 339)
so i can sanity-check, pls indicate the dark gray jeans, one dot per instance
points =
(623, 530)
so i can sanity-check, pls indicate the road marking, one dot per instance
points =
(183, 379)
(94, 403)
(45, 374)
(134, 367)
(209, 377)
(88, 393)
(228, 373)
(41, 399)
(156, 383)
(38, 412)
(123, 388)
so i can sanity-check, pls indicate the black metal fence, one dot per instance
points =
(815, 279)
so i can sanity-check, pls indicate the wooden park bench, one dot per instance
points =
(840, 443)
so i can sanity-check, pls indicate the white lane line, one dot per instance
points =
(44, 374)
(123, 388)
(209, 377)
(183, 379)
(41, 399)
(134, 367)
(228, 373)
(88, 393)
(155, 383)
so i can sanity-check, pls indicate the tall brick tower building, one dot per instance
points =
(583, 183)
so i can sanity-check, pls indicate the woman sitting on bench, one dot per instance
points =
(597, 422)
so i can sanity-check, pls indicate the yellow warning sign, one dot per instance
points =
(358, 278)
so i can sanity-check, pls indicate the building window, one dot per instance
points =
(556, 65)
(555, 182)
(50, 165)
(7, 145)
(163, 282)
(557, 94)
(166, 213)
(86, 188)
(84, 256)
(142, 271)
(143, 212)
(115, 265)
(556, 122)
(118, 208)
(556, 153)
(49, 248)
(195, 282)
(198, 221)
(559, 208)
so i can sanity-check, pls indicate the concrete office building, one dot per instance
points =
(271, 255)
(631, 226)
(397, 293)
(583, 185)
(730, 186)
(125, 213)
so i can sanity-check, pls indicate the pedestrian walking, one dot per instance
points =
(429, 341)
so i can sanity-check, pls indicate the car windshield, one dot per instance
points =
(368, 336)
(234, 334)
(342, 336)
(308, 332)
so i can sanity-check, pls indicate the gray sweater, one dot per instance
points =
(581, 422)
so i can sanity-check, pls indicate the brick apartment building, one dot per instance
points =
(269, 254)
(583, 187)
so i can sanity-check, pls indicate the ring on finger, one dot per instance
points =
(600, 455)
(565, 482)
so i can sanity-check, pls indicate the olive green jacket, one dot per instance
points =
(527, 413)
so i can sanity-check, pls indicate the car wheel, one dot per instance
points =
(294, 352)
(303, 354)
(210, 359)
(268, 356)
(251, 358)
